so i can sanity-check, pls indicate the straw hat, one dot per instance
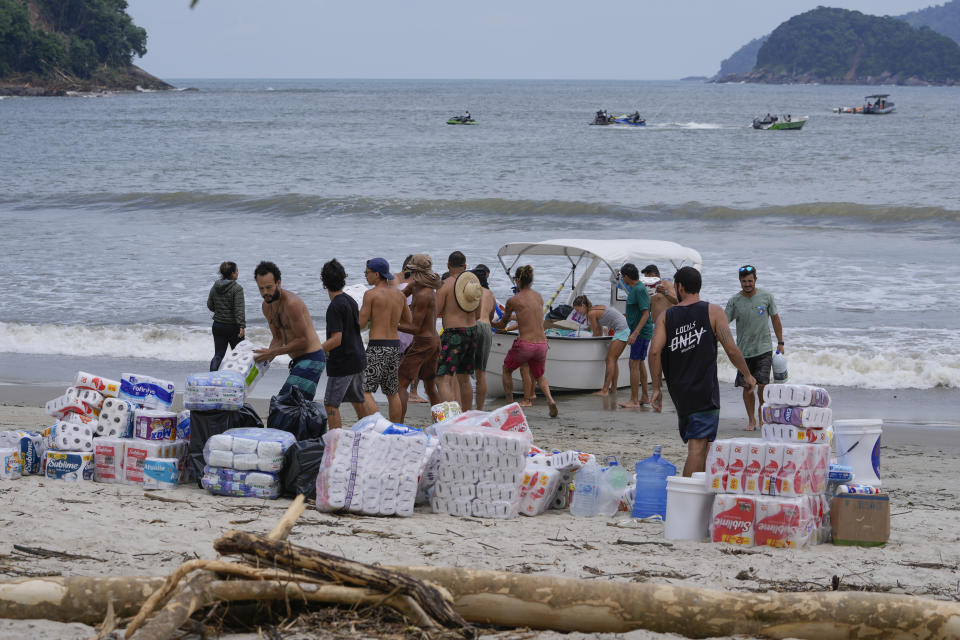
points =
(467, 291)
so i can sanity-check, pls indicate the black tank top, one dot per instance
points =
(690, 358)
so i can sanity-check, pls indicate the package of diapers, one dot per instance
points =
(29, 447)
(215, 391)
(248, 449)
(241, 361)
(146, 391)
(241, 484)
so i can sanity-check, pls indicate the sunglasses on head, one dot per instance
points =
(747, 269)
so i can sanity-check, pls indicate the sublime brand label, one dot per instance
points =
(69, 466)
(733, 519)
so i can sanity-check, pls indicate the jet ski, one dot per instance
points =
(461, 120)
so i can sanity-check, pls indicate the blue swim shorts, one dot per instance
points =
(638, 350)
(305, 373)
(623, 335)
(701, 425)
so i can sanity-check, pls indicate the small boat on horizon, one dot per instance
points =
(631, 119)
(876, 104)
(779, 123)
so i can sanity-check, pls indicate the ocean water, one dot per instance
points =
(116, 211)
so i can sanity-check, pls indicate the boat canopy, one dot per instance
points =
(878, 95)
(592, 253)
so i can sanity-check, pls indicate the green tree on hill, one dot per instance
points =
(74, 36)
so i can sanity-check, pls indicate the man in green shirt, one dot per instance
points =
(754, 311)
(641, 332)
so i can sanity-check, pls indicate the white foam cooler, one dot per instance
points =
(858, 446)
(689, 504)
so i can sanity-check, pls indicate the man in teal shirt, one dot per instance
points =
(754, 311)
(641, 332)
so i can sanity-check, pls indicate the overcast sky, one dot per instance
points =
(524, 39)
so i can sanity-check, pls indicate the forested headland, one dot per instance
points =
(49, 47)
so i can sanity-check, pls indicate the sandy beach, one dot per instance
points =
(129, 534)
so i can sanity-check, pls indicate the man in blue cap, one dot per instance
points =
(384, 307)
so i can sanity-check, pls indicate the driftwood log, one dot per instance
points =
(277, 553)
(508, 599)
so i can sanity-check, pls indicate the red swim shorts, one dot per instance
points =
(531, 353)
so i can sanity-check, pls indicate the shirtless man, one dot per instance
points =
(665, 296)
(459, 340)
(530, 347)
(420, 359)
(292, 331)
(384, 308)
(485, 312)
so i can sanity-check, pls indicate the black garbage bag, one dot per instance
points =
(301, 464)
(560, 312)
(204, 424)
(291, 411)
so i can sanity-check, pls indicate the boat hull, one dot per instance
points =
(793, 125)
(573, 364)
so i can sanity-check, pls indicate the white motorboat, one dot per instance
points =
(576, 362)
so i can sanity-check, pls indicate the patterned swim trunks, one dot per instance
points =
(383, 365)
(458, 351)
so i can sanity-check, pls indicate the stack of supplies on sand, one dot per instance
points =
(245, 462)
(482, 461)
(372, 468)
(772, 491)
(240, 360)
(548, 479)
(21, 453)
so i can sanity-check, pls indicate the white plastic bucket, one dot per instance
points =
(689, 502)
(858, 446)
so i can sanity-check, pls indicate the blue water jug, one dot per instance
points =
(650, 497)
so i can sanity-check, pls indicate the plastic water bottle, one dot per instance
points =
(586, 491)
(651, 493)
(779, 367)
(613, 482)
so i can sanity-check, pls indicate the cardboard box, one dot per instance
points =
(862, 520)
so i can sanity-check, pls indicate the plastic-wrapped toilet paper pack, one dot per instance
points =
(108, 455)
(116, 419)
(248, 449)
(137, 451)
(73, 436)
(69, 402)
(372, 471)
(797, 395)
(807, 417)
(103, 386)
(161, 473)
(445, 410)
(539, 489)
(242, 484)
(29, 448)
(214, 391)
(733, 518)
(183, 425)
(151, 424)
(146, 391)
(240, 360)
(509, 418)
(785, 522)
(480, 464)
(10, 468)
(69, 465)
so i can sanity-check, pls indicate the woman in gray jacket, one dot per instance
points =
(229, 318)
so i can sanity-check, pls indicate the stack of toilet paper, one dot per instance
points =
(240, 360)
(541, 483)
(756, 467)
(183, 425)
(372, 468)
(245, 450)
(481, 471)
(506, 418)
(116, 419)
(240, 484)
(69, 465)
(161, 473)
(135, 453)
(74, 436)
(146, 392)
(215, 391)
(84, 402)
(10, 468)
(28, 447)
(567, 463)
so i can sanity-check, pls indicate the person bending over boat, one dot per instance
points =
(530, 347)
(602, 316)
(292, 330)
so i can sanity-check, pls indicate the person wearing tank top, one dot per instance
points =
(684, 349)
(598, 317)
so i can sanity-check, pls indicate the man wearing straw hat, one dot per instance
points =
(457, 302)
(420, 358)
